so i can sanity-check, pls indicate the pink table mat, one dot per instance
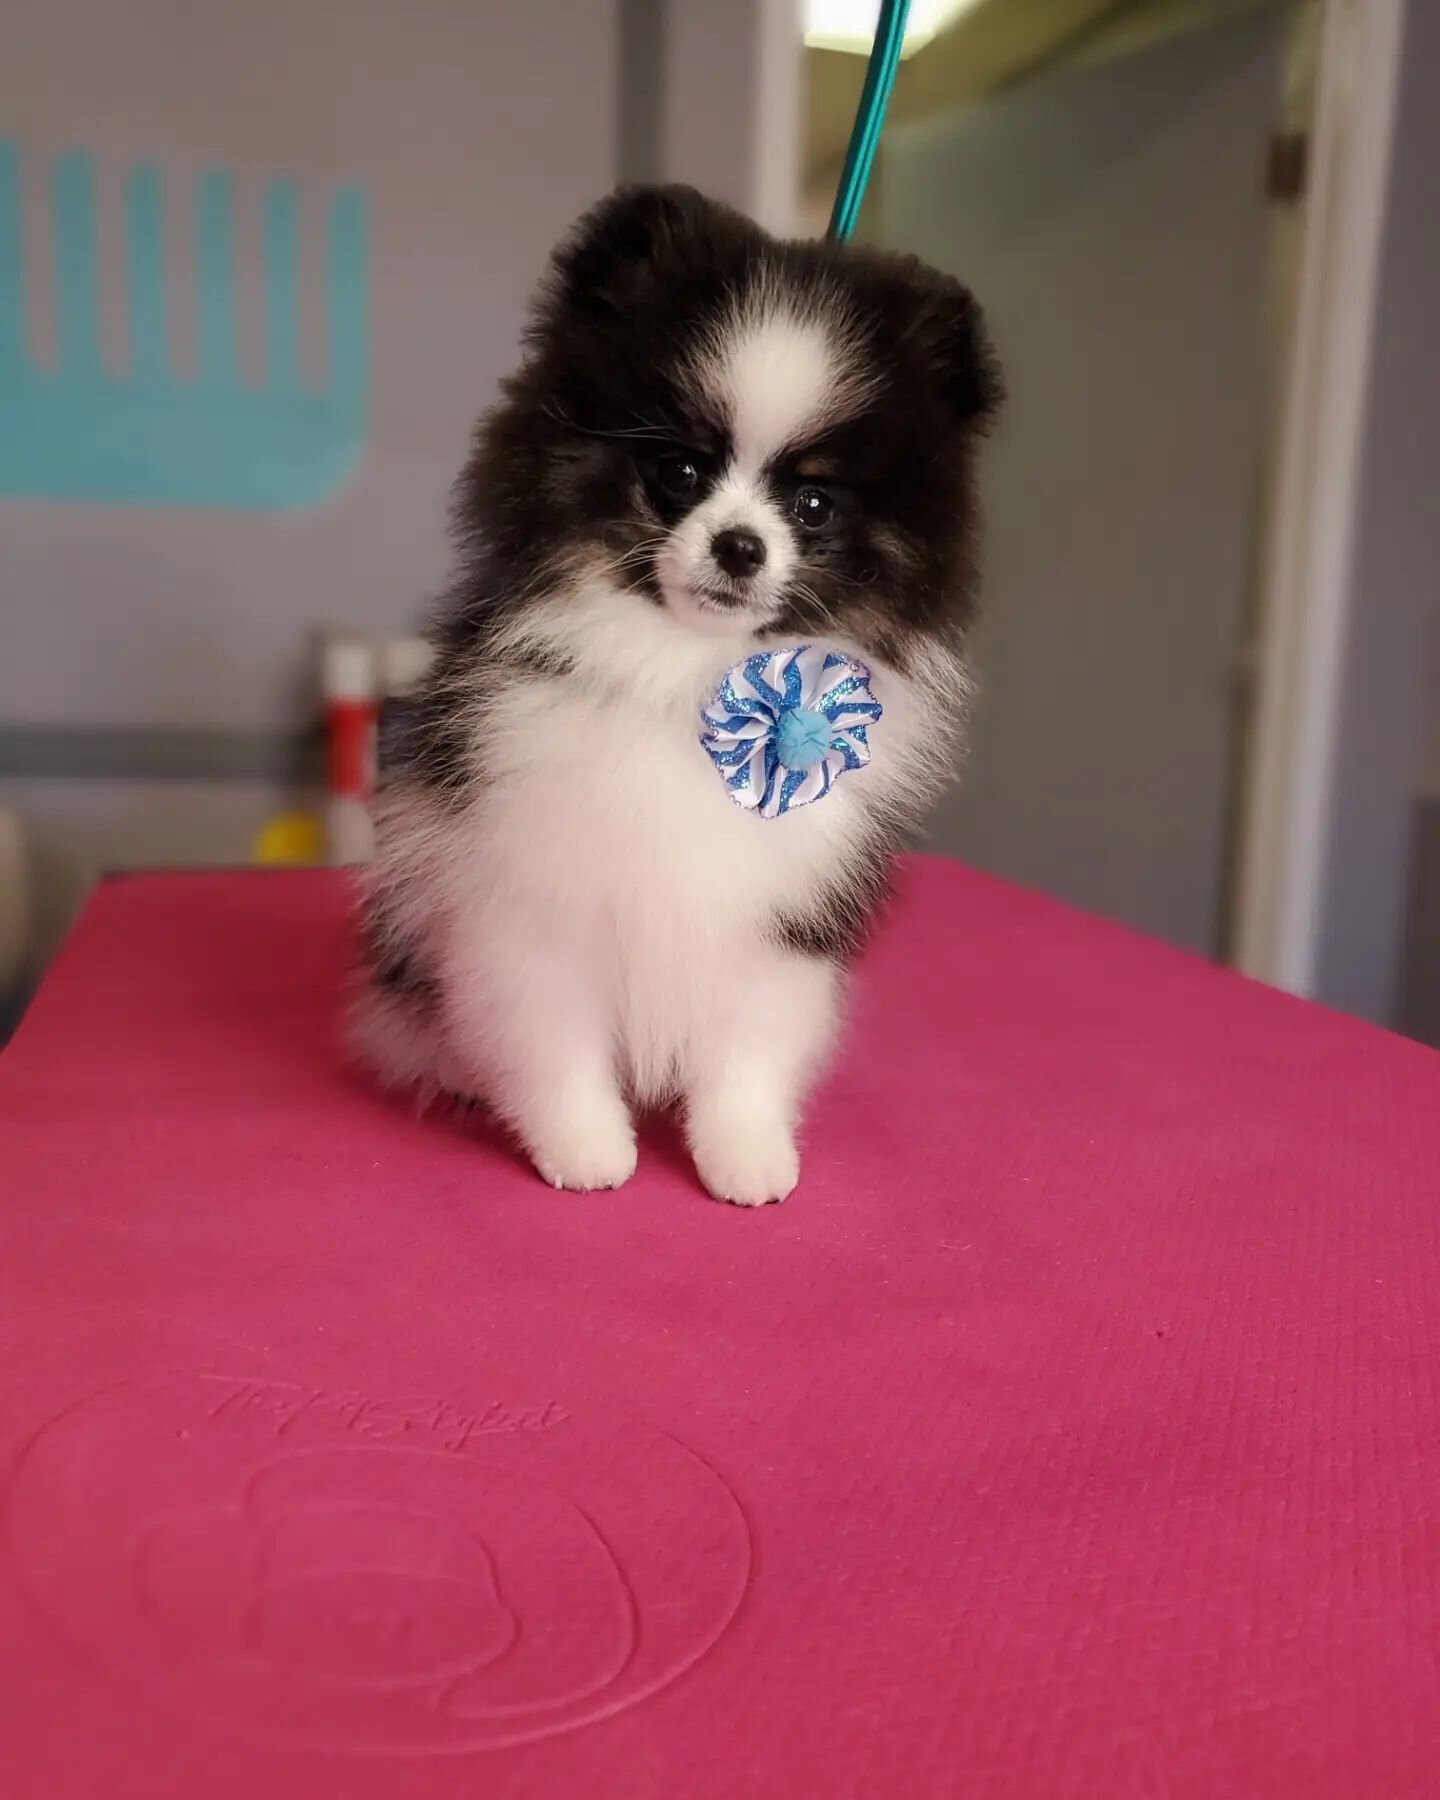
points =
(1072, 1432)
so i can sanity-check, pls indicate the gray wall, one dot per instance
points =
(1112, 219)
(1419, 1010)
(730, 113)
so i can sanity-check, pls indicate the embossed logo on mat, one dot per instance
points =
(334, 1570)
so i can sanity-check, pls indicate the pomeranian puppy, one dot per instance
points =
(699, 674)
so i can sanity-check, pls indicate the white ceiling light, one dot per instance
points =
(850, 24)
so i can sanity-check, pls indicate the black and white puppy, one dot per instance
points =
(716, 443)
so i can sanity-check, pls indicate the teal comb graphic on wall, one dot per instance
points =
(150, 435)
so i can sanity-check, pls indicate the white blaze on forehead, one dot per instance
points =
(778, 377)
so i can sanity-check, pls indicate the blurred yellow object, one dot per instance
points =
(289, 838)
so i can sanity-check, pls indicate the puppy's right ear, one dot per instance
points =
(620, 245)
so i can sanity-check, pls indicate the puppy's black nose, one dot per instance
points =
(739, 553)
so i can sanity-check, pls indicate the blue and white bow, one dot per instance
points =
(786, 724)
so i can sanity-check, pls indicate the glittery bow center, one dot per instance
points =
(802, 737)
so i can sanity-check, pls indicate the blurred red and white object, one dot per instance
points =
(349, 683)
(357, 675)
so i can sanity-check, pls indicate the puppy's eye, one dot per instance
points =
(677, 474)
(813, 507)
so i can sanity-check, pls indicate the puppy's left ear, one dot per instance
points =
(949, 329)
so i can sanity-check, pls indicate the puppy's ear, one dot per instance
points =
(946, 325)
(622, 244)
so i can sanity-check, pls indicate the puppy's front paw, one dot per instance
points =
(750, 1164)
(586, 1151)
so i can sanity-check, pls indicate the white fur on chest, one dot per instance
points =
(616, 814)
(602, 838)
(600, 862)
(600, 802)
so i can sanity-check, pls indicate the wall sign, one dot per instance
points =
(146, 433)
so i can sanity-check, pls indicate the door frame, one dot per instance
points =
(1307, 560)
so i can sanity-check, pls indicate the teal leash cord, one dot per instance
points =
(869, 118)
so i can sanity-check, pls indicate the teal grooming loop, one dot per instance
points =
(869, 117)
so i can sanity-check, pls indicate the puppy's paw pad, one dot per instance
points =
(587, 1157)
(749, 1168)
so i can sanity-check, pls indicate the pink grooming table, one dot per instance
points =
(1074, 1432)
